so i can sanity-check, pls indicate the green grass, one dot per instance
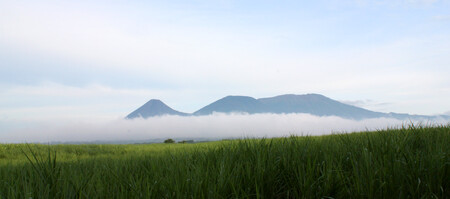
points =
(412, 162)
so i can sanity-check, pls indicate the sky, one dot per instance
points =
(100, 60)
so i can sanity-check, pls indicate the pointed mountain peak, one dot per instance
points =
(154, 102)
(154, 107)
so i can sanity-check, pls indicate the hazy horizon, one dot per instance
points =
(214, 127)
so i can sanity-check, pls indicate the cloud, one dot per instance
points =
(131, 43)
(419, 1)
(442, 17)
(365, 103)
(369, 104)
(53, 100)
(197, 53)
(215, 126)
(397, 2)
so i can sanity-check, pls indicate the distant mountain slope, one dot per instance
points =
(313, 104)
(153, 108)
(232, 104)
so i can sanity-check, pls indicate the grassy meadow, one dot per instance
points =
(412, 162)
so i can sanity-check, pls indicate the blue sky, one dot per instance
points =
(103, 59)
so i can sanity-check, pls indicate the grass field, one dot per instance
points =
(412, 162)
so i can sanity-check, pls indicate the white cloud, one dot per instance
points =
(421, 1)
(397, 2)
(51, 101)
(213, 127)
(369, 104)
(210, 54)
(52, 89)
(104, 41)
(442, 17)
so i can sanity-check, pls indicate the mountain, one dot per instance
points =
(153, 108)
(232, 104)
(313, 104)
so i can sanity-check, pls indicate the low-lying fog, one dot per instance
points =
(216, 126)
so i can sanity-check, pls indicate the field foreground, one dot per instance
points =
(412, 162)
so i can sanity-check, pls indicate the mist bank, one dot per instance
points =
(210, 127)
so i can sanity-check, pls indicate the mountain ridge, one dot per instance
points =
(314, 104)
(231, 103)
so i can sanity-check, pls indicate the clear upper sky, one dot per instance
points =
(106, 58)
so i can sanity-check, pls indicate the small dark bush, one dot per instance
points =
(186, 141)
(168, 141)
